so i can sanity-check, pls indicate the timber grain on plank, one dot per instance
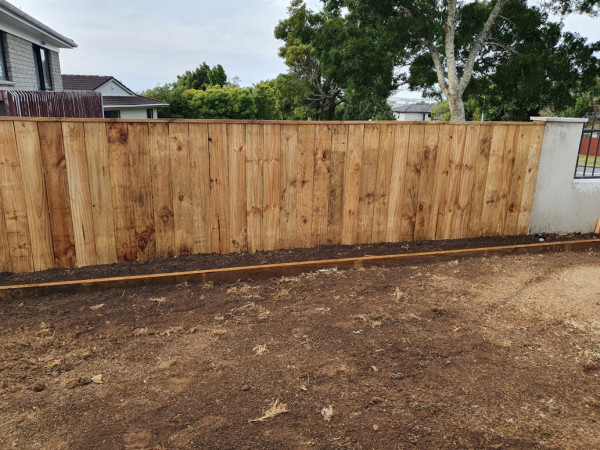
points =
(119, 190)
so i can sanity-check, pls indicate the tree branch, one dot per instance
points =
(504, 47)
(437, 63)
(478, 44)
(449, 31)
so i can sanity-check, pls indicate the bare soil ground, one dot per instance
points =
(478, 353)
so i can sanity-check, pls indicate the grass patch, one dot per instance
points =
(591, 161)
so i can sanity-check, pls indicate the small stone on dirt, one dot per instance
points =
(327, 413)
(97, 379)
(38, 387)
(245, 388)
(375, 427)
(55, 374)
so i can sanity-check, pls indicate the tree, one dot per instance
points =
(546, 68)
(202, 77)
(587, 104)
(444, 44)
(263, 101)
(358, 107)
(176, 95)
(226, 102)
(176, 98)
(265, 97)
(318, 96)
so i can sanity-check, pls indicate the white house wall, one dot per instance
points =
(411, 117)
(110, 88)
(134, 113)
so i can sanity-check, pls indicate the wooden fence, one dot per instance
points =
(83, 192)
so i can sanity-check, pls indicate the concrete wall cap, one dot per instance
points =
(559, 119)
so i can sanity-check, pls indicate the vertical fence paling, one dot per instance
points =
(97, 192)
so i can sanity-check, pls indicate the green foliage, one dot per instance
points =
(265, 97)
(226, 102)
(357, 107)
(526, 63)
(441, 111)
(176, 98)
(309, 94)
(301, 94)
(268, 100)
(586, 104)
(202, 77)
(545, 69)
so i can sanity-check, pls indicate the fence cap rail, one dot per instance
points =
(258, 122)
(559, 119)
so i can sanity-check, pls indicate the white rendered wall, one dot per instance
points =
(133, 113)
(113, 89)
(562, 204)
(413, 117)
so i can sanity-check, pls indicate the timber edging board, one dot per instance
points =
(250, 273)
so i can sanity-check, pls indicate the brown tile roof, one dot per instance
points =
(138, 100)
(83, 82)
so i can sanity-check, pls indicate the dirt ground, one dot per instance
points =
(478, 353)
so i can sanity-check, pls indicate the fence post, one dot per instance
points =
(562, 204)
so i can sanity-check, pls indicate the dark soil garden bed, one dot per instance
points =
(215, 261)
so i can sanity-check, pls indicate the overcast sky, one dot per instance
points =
(144, 43)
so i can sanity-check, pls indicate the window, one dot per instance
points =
(150, 113)
(42, 67)
(112, 114)
(3, 71)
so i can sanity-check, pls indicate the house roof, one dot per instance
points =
(414, 108)
(83, 82)
(126, 101)
(93, 82)
(13, 16)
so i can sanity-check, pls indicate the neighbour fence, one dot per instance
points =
(84, 192)
(52, 103)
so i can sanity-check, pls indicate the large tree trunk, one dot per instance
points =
(451, 85)
(457, 108)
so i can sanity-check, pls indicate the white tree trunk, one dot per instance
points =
(457, 107)
(452, 87)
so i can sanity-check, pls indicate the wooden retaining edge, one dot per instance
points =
(233, 274)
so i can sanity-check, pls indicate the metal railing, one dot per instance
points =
(588, 158)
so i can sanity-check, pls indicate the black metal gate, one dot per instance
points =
(588, 159)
